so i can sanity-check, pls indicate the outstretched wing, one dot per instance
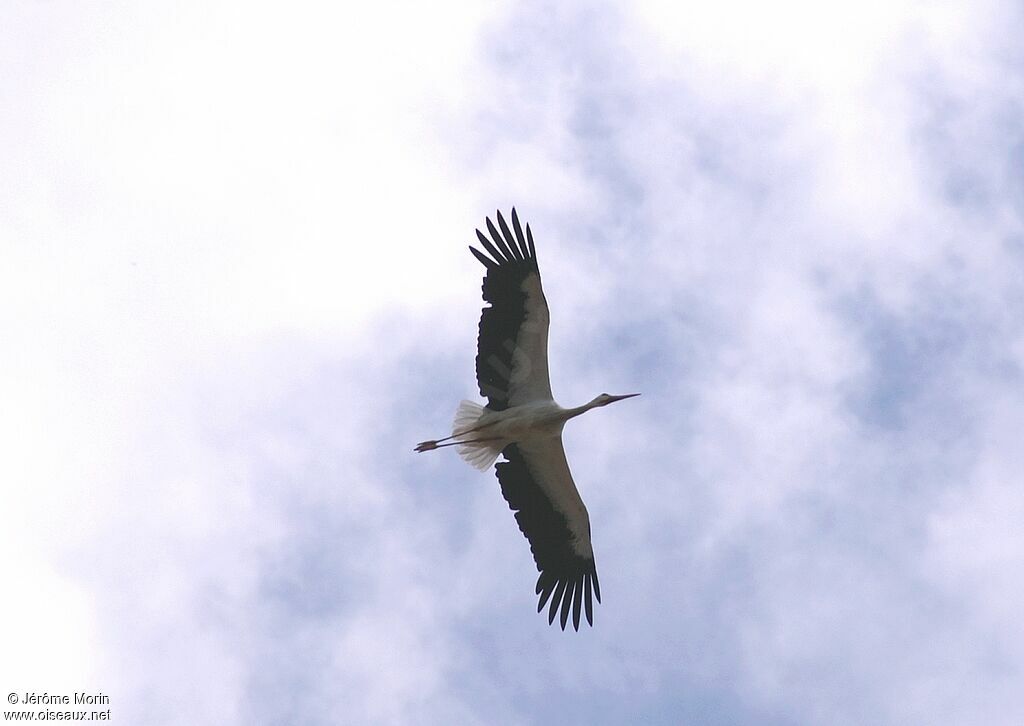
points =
(512, 350)
(537, 484)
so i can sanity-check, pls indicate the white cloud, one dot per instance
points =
(237, 292)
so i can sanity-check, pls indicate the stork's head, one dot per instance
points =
(605, 398)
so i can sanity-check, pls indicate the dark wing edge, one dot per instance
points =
(567, 579)
(510, 258)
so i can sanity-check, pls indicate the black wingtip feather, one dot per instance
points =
(510, 239)
(555, 601)
(488, 262)
(588, 601)
(519, 233)
(577, 602)
(509, 252)
(567, 602)
(529, 240)
(545, 592)
(499, 258)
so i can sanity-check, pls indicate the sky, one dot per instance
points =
(235, 293)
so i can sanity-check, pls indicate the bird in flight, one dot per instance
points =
(523, 424)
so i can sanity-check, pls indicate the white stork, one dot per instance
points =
(522, 422)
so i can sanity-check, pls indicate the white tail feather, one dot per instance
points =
(481, 455)
(466, 417)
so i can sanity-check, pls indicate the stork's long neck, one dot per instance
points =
(574, 412)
